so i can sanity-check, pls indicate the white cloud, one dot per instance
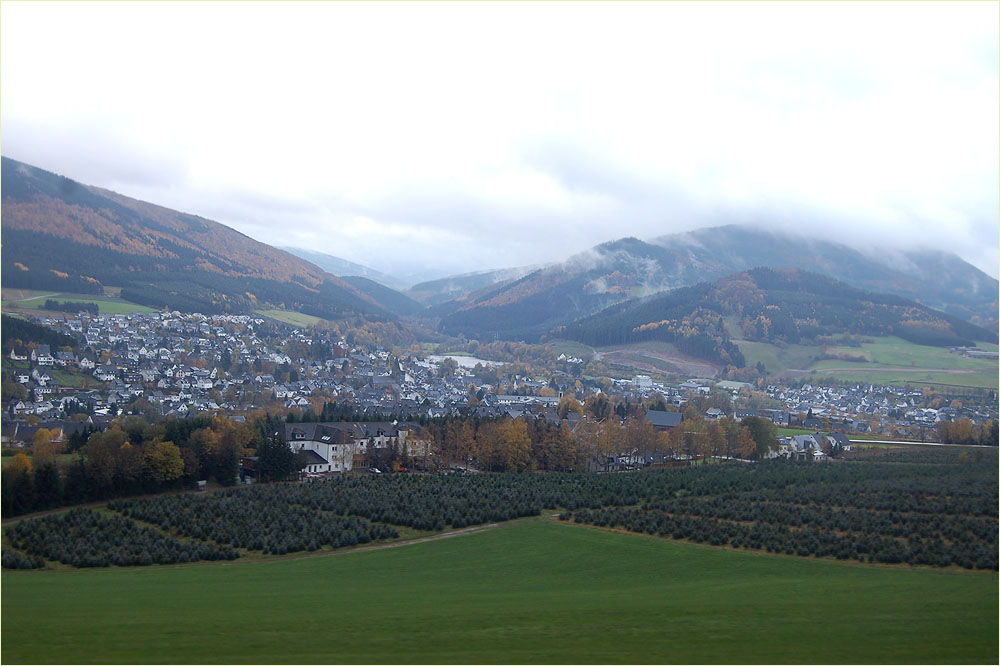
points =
(477, 135)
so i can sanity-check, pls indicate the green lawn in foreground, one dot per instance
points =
(291, 317)
(533, 591)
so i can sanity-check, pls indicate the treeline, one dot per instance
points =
(134, 456)
(71, 306)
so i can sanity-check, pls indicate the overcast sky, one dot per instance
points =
(467, 136)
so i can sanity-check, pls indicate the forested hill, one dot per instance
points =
(631, 268)
(774, 306)
(61, 235)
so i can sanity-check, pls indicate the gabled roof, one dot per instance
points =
(310, 457)
(663, 419)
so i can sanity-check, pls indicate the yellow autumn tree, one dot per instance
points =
(163, 461)
(44, 449)
(18, 464)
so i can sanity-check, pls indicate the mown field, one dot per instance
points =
(34, 300)
(530, 591)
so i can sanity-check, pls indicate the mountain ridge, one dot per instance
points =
(627, 268)
(65, 235)
(774, 306)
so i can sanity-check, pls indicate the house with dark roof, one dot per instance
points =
(663, 420)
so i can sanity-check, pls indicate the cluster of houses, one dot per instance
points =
(182, 364)
(892, 409)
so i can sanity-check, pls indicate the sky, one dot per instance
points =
(425, 139)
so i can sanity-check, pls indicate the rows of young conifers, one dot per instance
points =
(932, 514)
(889, 513)
(86, 538)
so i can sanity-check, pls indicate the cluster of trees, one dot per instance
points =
(805, 542)
(262, 518)
(507, 445)
(929, 514)
(134, 456)
(131, 457)
(85, 538)
(71, 306)
(964, 431)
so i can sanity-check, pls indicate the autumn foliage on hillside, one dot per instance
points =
(67, 236)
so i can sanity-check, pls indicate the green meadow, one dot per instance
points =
(888, 360)
(35, 300)
(530, 591)
(291, 317)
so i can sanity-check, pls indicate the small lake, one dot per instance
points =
(463, 361)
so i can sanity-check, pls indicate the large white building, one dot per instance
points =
(335, 447)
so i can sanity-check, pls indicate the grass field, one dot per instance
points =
(778, 359)
(889, 360)
(34, 300)
(291, 317)
(533, 591)
(790, 432)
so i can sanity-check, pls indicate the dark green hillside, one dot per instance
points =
(390, 299)
(772, 306)
(688, 317)
(499, 312)
(62, 235)
(456, 288)
(15, 328)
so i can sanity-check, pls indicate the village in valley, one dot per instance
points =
(172, 365)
